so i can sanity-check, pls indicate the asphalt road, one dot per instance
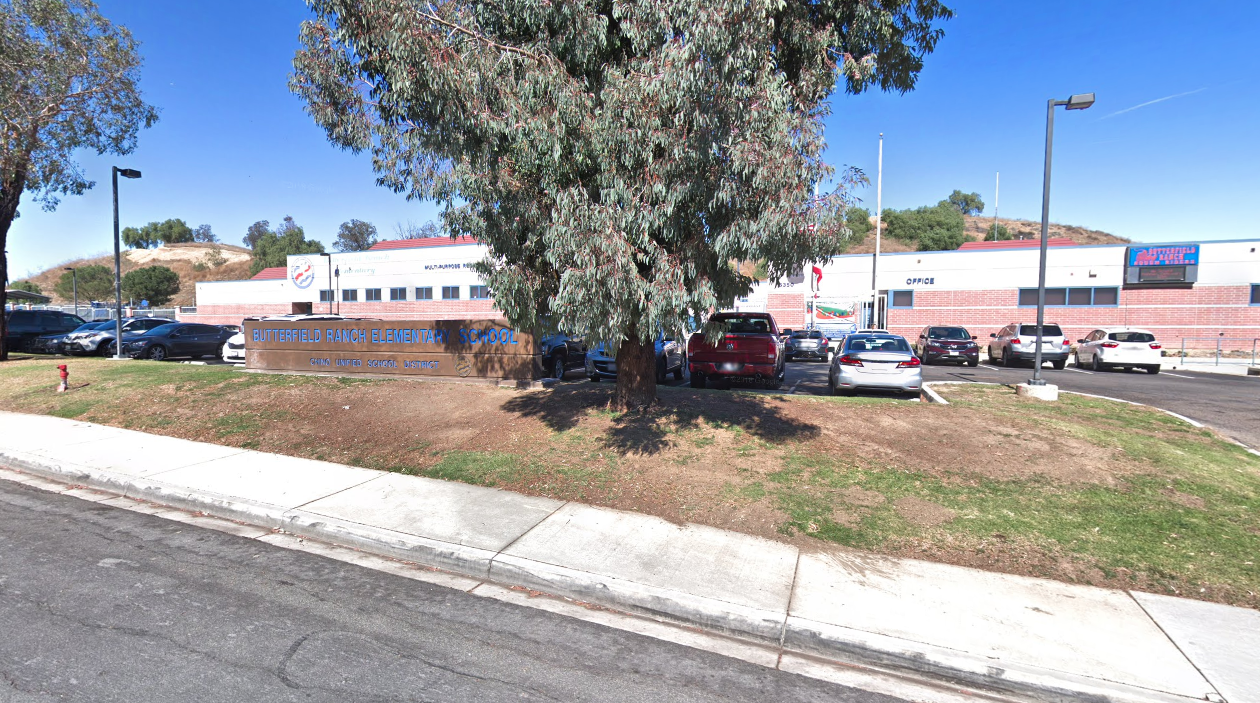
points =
(101, 604)
(1230, 404)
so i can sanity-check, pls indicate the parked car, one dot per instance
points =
(750, 350)
(101, 340)
(670, 358)
(806, 344)
(947, 343)
(1119, 347)
(871, 330)
(176, 339)
(23, 326)
(562, 352)
(1017, 342)
(875, 361)
(233, 349)
(55, 343)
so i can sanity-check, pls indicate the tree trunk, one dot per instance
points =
(10, 195)
(636, 374)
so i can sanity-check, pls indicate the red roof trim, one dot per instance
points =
(272, 273)
(419, 243)
(1019, 244)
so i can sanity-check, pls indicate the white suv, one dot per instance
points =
(234, 348)
(1017, 342)
(1119, 347)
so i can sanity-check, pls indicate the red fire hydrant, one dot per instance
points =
(65, 378)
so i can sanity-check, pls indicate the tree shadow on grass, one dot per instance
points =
(651, 431)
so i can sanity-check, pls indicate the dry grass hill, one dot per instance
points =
(977, 227)
(193, 262)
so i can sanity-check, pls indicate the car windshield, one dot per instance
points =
(1046, 331)
(744, 325)
(884, 344)
(162, 330)
(1140, 337)
(949, 333)
(87, 326)
(807, 334)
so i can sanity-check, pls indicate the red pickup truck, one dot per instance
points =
(749, 350)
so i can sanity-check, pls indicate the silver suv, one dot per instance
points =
(1017, 342)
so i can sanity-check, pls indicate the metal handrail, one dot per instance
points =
(1220, 338)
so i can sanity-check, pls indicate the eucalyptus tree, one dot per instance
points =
(68, 81)
(616, 156)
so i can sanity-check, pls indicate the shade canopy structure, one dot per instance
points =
(25, 296)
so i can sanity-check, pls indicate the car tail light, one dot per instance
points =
(912, 363)
(1109, 345)
(1155, 345)
(774, 350)
(850, 360)
(1067, 342)
(1016, 341)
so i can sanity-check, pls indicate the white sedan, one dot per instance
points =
(234, 348)
(1119, 347)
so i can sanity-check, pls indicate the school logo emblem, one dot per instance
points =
(463, 366)
(302, 272)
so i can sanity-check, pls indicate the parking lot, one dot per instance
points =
(1226, 403)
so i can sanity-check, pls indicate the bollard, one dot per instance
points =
(65, 379)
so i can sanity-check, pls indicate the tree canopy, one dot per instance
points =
(96, 282)
(27, 286)
(937, 228)
(156, 284)
(858, 220)
(204, 234)
(355, 235)
(68, 81)
(998, 233)
(272, 248)
(411, 230)
(255, 232)
(615, 158)
(173, 231)
(966, 203)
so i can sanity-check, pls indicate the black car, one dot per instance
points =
(177, 339)
(561, 352)
(23, 326)
(947, 343)
(807, 344)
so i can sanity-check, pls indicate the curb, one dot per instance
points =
(790, 634)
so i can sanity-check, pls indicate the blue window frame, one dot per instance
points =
(1255, 293)
(1103, 296)
(900, 298)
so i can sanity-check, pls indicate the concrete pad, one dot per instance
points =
(259, 478)
(708, 577)
(446, 524)
(25, 433)
(136, 453)
(1021, 628)
(1223, 641)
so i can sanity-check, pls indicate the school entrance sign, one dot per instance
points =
(461, 348)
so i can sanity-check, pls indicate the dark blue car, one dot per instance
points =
(178, 339)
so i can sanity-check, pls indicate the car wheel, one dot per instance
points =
(660, 372)
(557, 367)
(1006, 359)
(105, 349)
(157, 353)
(1076, 360)
(678, 373)
(1094, 364)
(697, 380)
(1151, 369)
(973, 364)
(1058, 365)
(787, 357)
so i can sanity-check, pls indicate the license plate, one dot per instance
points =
(953, 353)
(730, 367)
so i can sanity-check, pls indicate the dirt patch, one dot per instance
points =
(1185, 499)
(923, 513)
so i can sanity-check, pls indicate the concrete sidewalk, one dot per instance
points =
(1016, 635)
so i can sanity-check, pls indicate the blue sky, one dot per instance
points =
(1168, 153)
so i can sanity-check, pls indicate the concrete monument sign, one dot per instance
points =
(462, 348)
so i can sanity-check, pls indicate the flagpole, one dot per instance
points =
(879, 214)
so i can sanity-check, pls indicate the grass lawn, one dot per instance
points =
(1082, 490)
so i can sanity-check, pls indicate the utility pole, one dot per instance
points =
(879, 221)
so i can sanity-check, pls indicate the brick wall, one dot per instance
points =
(396, 310)
(787, 309)
(1202, 311)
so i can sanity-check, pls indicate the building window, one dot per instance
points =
(1255, 293)
(350, 295)
(397, 293)
(478, 292)
(325, 296)
(1071, 297)
(372, 295)
(450, 292)
(425, 293)
(901, 299)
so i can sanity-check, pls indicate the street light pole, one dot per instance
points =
(1076, 102)
(879, 215)
(118, 340)
(328, 259)
(74, 273)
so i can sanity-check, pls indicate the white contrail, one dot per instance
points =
(1156, 100)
